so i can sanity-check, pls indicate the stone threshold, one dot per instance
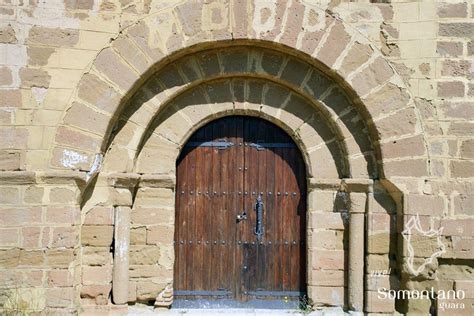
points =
(150, 310)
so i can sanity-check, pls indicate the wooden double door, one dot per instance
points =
(240, 213)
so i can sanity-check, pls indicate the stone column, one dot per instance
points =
(356, 251)
(121, 192)
(121, 251)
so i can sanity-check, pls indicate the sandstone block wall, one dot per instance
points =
(66, 69)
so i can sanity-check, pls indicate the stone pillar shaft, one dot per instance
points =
(356, 251)
(121, 254)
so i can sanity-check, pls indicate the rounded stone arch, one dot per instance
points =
(271, 74)
(301, 30)
(316, 137)
(132, 83)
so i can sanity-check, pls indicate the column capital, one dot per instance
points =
(123, 180)
(357, 185)
(358, 202)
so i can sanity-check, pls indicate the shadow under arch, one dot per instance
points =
(307, 114)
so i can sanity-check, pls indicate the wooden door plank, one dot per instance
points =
(271, 215)
(211, 217)
(262, 190)
(239, 207)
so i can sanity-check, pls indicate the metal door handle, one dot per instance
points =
(241, 217)
(259, 224)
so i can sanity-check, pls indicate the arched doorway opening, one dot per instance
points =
(240, 216)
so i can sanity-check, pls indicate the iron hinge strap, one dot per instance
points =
(222, 144)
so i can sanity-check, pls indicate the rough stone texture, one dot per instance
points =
(67, 72)
(7, 35)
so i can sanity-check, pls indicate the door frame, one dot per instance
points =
(304, 193)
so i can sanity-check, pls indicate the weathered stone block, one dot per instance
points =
(9, 237)
(335, 44)
(60, 297)
(327, 239)
(7, 35)
(96, 256)
(31, 258)
(156, 197)
(148, 290)
(161, 234)
(95, 91)
(326, 296)
(100, 216)
(92, 275)
(464, 204)
(96, 235)
(406, 168)
(114, 67)
(465, 30)
(328, 259)
(144, 255)
(457, 110)
(151, 271)
(407, 147)
(62, 196)
(53, 36)
(9, 195)
(98, 292)
(86, 118)
(63, 214)
(149, 215)
(376, 73)
(449, 49)
(326, 220)
(131, 54)
(358, 54)
(10, 161)
(64, 237)
(378, 262)
(425, 205)
(379, 243)
(59, 278)
(31, 77)
(70, 137)
(19, 216)
(462, 169)
(138, 235)
(326, 278)
(14, 138)
(378, 303)
(457, 227)
(390, 126)
(452, 10)
(60, 258)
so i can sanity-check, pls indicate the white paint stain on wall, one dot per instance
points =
(39, 93)
(71, 158)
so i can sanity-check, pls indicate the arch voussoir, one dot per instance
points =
(143, 48)
(376, 73)
(112, 65)
(336, 42)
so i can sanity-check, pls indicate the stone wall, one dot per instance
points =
(84, 79)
